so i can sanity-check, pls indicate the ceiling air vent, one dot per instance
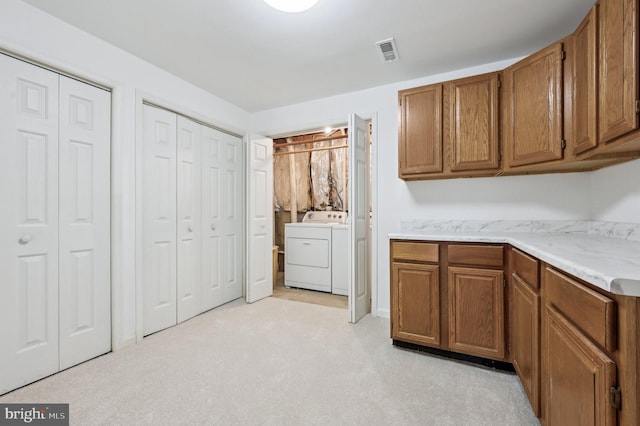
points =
(388, 50)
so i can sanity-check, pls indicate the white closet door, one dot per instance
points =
(189, 219)
(212, 145)
(222, 198)
(28, 223)
(159, 220)
(233, 217)
(85, 291)
(260, 219)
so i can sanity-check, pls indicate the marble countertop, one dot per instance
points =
(612, 264)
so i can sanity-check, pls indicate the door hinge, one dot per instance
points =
(564, 55)
(504, 282)
(499, 84)
(638, 107)
(563, 144)
(615, 397)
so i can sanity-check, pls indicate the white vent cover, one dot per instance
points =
(388, 50)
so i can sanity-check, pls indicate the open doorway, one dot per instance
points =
(311, 180)
(312, 261)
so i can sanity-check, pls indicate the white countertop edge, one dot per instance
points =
(613, 284)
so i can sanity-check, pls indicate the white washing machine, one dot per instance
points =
(308, 251)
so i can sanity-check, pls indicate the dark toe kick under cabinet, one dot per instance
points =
(574, 346)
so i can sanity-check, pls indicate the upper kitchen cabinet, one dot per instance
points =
(533, 96)
(618, 72)
(471, 123)
(459, 118)
(420, 132)
(585, 84)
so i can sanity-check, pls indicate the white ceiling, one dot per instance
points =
(258, 58)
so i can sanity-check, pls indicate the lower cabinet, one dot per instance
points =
(577, 376)
(476, 312)
(574, 347)
(416, 303)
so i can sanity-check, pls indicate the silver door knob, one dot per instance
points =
(189, 228)
(25, 239)
(213, 227)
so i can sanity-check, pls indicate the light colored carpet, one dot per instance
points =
(279, 362)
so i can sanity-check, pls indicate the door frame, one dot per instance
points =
(371, 117)
(141, 98)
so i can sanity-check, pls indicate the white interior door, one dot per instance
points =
(189, 219)
(359, 297)
(212, 146)
(260, 218)
(85, 286)
(28, 223)
(159, 220)
(232, 219)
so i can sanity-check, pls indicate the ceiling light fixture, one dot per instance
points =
(291, 6)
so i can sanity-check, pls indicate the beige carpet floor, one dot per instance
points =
(279, 362)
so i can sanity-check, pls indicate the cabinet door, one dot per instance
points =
(585, 84)
(471, 123)
(415, 303)
(618, 73)
(420, 135)
(476, 312)
(525, 339)
(576, 375)
(533, 133)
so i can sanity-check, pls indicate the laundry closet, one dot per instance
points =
(55, 309)
(311, 219)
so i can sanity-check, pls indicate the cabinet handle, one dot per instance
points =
(306, 244)
(25, 239)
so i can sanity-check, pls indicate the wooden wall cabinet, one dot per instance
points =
(585, 84)
(525, 324)
(533, 119)
(471, 125)
(618, 71)
(420, 131)
(459, 118)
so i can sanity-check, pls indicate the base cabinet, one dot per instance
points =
(577, 376)
(525, 339)
(416, 298)
(476, 312)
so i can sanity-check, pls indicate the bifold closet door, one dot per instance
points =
(222, 219)
(28, 223)
(55, 292)
(84, 154)
(159, 219)
(189, 219)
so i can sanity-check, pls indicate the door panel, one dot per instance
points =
(260, 219)
(28, 223)
(359, 298)
(85, 290)
(189, 251)
(159, 220)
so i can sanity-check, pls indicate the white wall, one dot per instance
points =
(615, 193)
(31, 32)
(544, 197)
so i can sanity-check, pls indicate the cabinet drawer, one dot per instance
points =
(416, 251)
(477, 255)
(526, 267)
(592, 312)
